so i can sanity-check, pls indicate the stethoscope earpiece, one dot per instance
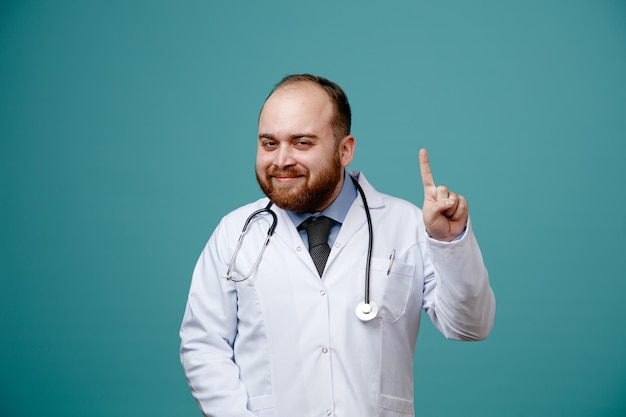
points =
(366, 312)
(231, 276)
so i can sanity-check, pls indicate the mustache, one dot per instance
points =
(291, 171)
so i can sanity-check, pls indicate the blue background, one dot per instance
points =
(128, 128)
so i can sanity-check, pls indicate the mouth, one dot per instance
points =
(286, 178)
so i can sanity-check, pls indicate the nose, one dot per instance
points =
(284, 157)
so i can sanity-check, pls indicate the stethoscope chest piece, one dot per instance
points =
(366, 312)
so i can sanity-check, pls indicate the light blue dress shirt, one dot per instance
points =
(337, 211)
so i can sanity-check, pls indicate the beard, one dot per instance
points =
(308, 196)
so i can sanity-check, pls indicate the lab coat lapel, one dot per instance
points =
(356, 217)
(289, 237)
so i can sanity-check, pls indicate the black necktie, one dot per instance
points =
(317, 230)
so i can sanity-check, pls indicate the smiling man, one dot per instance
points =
(300, 158)
(314, 309)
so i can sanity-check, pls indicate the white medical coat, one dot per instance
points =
(285, 343)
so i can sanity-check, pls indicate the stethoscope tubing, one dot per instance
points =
(365, 310)
(232, 275)
(370, 242)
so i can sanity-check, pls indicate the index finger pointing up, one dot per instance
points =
(427, 175)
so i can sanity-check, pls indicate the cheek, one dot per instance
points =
(262, 161)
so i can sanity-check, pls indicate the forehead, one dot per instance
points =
(299, 102)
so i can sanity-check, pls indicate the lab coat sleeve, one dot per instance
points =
(457, 294)
(207, 335)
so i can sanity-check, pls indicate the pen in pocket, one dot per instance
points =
(391, 259)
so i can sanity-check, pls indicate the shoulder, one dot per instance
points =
(377, 199)
(233, 222)
(247, 208)
(401, 211)
(396, 218)
(240, 214)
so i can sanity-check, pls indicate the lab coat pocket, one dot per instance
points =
(262, 406)
(389, 406)
(390, 287)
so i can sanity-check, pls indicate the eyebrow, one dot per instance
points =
(294, 136)
(304, 135)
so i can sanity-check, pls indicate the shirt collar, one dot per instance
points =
(337, 210)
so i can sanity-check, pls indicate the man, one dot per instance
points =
(272, 331)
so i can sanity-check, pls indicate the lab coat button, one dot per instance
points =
(329, 413)
(324, 350)
(322, 292)
(337, 245)
(298, 248)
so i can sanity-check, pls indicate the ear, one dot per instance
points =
(346, 150)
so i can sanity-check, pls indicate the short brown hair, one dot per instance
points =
(343, 117)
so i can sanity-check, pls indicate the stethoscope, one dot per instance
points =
(366, 310)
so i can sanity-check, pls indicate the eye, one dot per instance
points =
(303, 143)
(269, 144)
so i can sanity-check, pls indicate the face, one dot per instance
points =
(299, 164)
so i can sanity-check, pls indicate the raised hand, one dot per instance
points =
(445, 212)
